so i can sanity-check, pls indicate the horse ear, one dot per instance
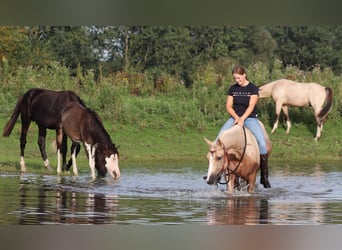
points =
(209, 142)
(219, 142)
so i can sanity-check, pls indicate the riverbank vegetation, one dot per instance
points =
(159, 114)
(169, 123)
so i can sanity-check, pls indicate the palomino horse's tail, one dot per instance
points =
(322, 116)
(10, 124)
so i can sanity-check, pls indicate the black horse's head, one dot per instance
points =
(107, 160)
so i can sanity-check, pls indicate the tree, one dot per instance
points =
(306, 46)
(264, 46)
(14, 46)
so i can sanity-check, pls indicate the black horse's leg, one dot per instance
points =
(25, 123)
(64, 149)
(75, 149)
(41, 144)
(61, 149)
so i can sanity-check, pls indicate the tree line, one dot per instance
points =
(175, 50)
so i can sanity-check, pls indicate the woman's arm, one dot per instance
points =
(252, 102)
(230, 109)
(241, 120)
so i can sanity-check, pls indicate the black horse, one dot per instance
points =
(44, 107)
(82, 124)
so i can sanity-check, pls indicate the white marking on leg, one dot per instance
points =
(275, 126)
(58, 162)
(47, 164)
(91, 152)
(22, 164)
(288, 124)
(74, 165)
(318, 132)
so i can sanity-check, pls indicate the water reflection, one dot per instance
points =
(169, 198)
(45, 206)
(239, 211)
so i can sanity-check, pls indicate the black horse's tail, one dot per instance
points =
(322, 116)
(10, 124)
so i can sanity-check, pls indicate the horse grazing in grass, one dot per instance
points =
(235, 154)
(82, 124)
(44, 107)
(289, 93)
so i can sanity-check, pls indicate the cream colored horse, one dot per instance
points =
(235, 154)
(289, 93)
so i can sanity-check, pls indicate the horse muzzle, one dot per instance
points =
(212, 180)
(116, 174)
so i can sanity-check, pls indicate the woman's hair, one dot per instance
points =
(238, 69)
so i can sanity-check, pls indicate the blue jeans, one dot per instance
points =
(253, 125)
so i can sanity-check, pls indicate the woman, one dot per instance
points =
(242, 98)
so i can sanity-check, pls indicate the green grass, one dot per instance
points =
(153, 127)
(175, 146)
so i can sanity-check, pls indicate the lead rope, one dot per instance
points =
(238, 165)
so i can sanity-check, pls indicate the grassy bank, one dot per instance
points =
(167, 124)
(172, 146)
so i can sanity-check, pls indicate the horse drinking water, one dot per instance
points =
(289, 93)
(235, 154)
(83, 125)
(45, 108)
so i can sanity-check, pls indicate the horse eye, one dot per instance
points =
(219, 158)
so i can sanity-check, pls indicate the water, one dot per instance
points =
(166, 195)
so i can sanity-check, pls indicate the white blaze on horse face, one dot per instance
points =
(112, 165)
(216, 164)
(211, 167)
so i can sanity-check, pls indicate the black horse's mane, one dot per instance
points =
(103, 138)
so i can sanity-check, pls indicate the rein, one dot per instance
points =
(230, 172)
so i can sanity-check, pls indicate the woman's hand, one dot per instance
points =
(239, 121)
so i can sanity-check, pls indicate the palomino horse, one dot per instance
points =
(289, 93)
(235, 154)
(45, 108)
(83, 125)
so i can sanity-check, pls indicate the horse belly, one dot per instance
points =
(71, 131)
(290, 95)
(49, 122)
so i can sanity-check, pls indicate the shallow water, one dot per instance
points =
(166, 195)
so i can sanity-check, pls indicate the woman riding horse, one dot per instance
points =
(242, 98)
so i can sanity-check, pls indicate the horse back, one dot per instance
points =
(46, 106)
(81, 123)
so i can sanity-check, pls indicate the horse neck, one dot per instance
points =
(102, 138)
(233, 139)
(265, 90)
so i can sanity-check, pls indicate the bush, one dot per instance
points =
(134, 98)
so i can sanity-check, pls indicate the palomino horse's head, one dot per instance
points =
(108, 161)
(218, 161)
